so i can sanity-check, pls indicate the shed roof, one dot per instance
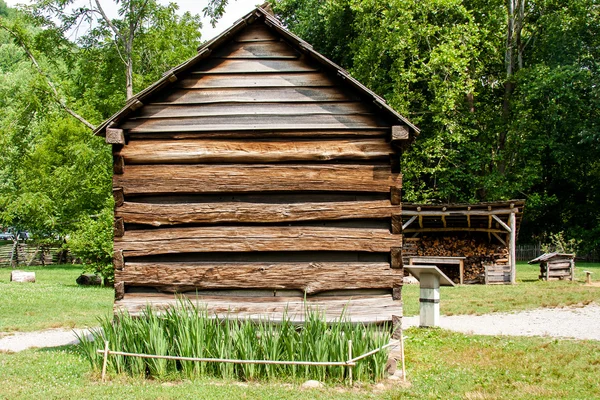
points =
(262, 16)
(549, 256)
(461, 217)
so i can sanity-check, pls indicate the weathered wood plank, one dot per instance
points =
(263, 50)
(309, 277)
(221, 66)
(115, 136)
(156, 179)
(207, 151)
(119, 227)
(254, 95)
(248, 239)
(263, 134)
(119, 291)
(311, 79)
(118, 163)
(172, 214)
(263, 109)
(256, 32)
(118, 196)
(366, 309)
(253, 122)
(400, 132)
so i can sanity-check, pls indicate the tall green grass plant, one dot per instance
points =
(189, 331)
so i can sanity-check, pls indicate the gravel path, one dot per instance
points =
(47, 338)
(568, 322)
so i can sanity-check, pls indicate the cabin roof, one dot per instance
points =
(259, 14)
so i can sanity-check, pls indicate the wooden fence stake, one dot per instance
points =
(105, 361)
(402, 357)
(350, 358)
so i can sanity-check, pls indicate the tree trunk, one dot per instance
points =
(129, 77)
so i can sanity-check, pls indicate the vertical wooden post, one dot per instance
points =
(512, 244)
(105, 361)
(402, 356)
(572, 262)
(350, 358)
(396, 326)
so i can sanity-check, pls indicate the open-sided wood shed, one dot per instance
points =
(484, 234)
(253, 175)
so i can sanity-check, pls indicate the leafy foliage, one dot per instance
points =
(92, 241)
(55, 176)
(485, 135)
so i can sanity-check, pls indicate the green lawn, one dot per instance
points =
(528, 293)
(53, 301)
(441, 365)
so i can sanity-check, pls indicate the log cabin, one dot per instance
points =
(259, 178)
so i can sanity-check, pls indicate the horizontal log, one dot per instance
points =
(309, 277)
(558, 265)
(311, 79)
(264, 50)
(249, 239)
(252, 122)
(419, 230)
(172, 214)
(254, 95)
(208, 151)
(220, 66)
(453, 213)
(263, 134)
(368, 309)
(256, 32)
(114, 136)
(156, 179)
(249, 109)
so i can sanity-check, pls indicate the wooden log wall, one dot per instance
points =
(258, 178)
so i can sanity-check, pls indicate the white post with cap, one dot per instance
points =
(430, 278)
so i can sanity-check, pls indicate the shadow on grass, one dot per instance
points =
(70, 348)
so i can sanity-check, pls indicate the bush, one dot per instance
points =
(92, 242)
(187, 331)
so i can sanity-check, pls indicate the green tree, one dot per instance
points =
(505, 93)
(55, 176)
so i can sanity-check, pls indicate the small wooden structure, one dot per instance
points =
(556, 266)
(259, 177)
(499, 274)
(495, 223)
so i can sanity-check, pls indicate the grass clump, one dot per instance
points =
(187, 331)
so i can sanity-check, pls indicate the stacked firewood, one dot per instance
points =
(477, 250)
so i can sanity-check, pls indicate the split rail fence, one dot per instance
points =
(26, 254)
